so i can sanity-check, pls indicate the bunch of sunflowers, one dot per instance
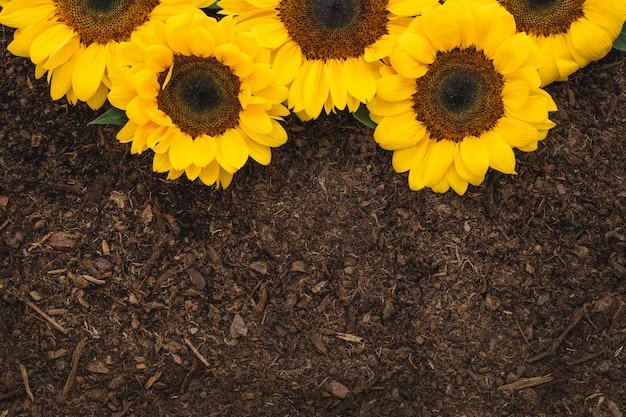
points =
(451, 88)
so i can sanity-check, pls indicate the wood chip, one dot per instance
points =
(613, 409)
(298, 266)
(349, 337)
(61, 241)
(197, 353)
(523, 383)
(56, 354)
(154, 378)
(269, 242)
(97, 367)
(147, 215)
(52, 321)
(259, 266)
(318, 344)
(24, 373)
(75, 359)
(196, 278)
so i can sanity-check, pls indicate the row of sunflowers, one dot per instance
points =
(451, 88)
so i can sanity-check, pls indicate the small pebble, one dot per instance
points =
(338, 389)
(238, 327)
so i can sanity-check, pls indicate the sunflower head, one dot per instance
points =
(328, 51)
(460, 92)
(75, 41)
(569, 33)
(202, 96)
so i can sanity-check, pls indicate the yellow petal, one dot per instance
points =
(395, 88)
(418, 47)
(337, 83)
(588, 42)
(516, 133)
(50, 41)
(261, 154)
(399, 131)
(360, 79)
(158, 58)
(233, 150)
(475, 155)
(89, 71)
(406, 65)
(192, 172)
(209, 173)
(381, 107)
(18, 14)
(458, 184)
(127, 132)
(406, 159)
(442, 29)
(501, 156)
(161, 162)
(255, 119)
(62, 79)
(516, 52)
(287, 62)
(181, 151)
(205, 148)
(438, 160)
(23, 38)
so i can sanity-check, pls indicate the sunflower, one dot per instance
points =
(328, 51)
(462, 90)
(75, 41)
(569, 33)
(202, 96)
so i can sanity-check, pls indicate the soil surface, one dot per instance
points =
(317, 286)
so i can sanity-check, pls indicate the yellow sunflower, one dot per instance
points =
(569, 33)
(327, 51)
(202, 96)
(461, 91)
(75, 41)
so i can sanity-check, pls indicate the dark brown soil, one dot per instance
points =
(317, 286)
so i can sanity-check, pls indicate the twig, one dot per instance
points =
(24, 373)
(578, 314)
(52, 321)
(125, 408)
(613, 409)
(197, 353)
(523, 383)
(75, 359)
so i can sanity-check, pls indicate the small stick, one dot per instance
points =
(26, 384)
(197, 353)
(41, 242)
(52, 321)
(526, 383)
(578, 314)
(75, 359)
(613, 409)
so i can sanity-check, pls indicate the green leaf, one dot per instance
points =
(363, 115)
(620, 42)
(113, 116)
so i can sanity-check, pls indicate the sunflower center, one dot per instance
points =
(544, 17)
(201, 97)
(103, 21)
(334, 14)
(334, 29)
(460, 95)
